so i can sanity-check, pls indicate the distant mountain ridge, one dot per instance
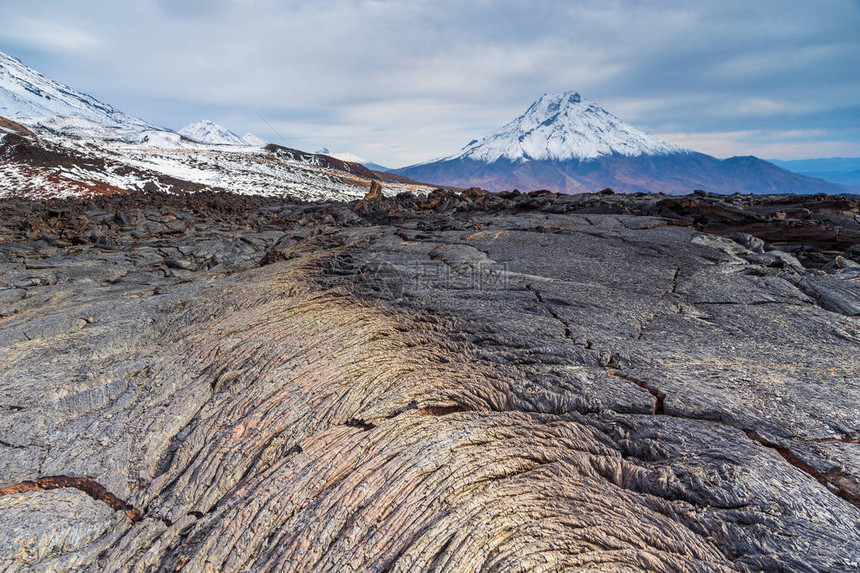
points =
(207, 131)
(565, 143)
(353, 158)
(843, 170)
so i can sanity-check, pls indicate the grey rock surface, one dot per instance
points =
(487, 383)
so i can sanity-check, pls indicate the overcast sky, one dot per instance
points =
(398, 82)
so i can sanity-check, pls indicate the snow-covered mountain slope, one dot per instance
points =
(34, 100)
(43, 165)
(57, 142)
(561, 127)
(210, 132)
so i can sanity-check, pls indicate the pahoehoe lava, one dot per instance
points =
(457, 382)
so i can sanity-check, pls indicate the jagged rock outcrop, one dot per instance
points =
(452, 382)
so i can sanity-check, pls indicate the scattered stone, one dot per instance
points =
(754, 244)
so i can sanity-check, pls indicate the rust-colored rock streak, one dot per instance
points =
(86, 485)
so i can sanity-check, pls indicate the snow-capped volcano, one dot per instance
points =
(565, 143)
(564, 126)
(33, 99)
(210, 132)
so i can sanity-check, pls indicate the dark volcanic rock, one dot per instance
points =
(453, 382)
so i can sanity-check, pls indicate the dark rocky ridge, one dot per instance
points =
(463, 381)
(321, 160)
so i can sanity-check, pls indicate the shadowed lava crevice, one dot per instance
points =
(565, 326)
(674, 286)
(659, 395)
(847, 491)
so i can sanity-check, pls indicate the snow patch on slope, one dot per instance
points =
(20, 180)
(562, 127)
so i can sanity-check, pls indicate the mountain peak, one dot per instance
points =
(565, 126)
(569, 97)
(208, 131)
(574, 97)
(253, 140)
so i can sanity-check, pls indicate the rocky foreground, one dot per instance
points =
(461, 382)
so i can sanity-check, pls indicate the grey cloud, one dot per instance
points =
(401, 81)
